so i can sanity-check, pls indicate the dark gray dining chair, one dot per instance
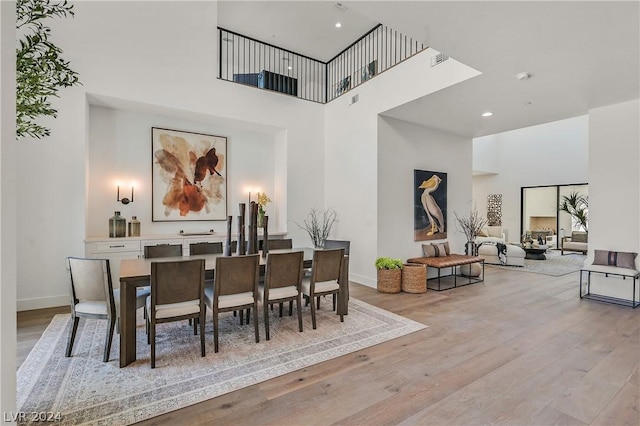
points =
(326, 279)
(162, 250)
(177, 293)
(346, 245)
(235, 288)
(282, 283)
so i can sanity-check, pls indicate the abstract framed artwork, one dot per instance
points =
(189, 176)
(429, 205)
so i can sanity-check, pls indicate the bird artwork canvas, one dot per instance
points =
(430, 205)
(189, 176)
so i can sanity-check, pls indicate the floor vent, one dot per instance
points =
(438, 59)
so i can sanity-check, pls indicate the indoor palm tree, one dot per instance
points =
(577, 206)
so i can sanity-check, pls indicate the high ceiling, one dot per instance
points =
(580, 54)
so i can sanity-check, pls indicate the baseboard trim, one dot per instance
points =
(361, 279)
(42, 302)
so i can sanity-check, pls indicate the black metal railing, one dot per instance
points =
(248, 61)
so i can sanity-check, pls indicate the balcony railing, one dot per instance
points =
(248, 61)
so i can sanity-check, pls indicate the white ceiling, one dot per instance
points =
(581, 54)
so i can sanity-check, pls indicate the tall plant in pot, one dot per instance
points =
(471, 225)
(577, 206)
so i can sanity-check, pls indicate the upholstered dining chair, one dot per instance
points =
(235, 288)
(177, 293)
(162, 250)
(205, 248)
(281, 243)
(93, 296)
(282, 283)
(346, 245)
(326, 279)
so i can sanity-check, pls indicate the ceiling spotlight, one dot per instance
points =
(289, 67)
(338, 24)
(523, 76)
(487, 114)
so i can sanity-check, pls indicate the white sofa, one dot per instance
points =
(514, 256)
(491, 234)
(576, 242)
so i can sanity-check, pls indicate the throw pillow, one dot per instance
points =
(620, 259)
(484, 232)
(441, 248)
(495, 231)
(428, 250)
(579, 237)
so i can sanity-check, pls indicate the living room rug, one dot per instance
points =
(555, 265)
(85, 390)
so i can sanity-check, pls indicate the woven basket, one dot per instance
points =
(414, 278)
(389, 280)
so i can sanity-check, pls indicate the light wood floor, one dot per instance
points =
(519, 349)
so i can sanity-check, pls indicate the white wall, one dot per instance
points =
(548, 154)
(614, 186)
(162, 55)
(403, 147)
(352, 159)
(120, 149)
(8, 208)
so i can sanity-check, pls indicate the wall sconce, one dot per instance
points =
(124, 200)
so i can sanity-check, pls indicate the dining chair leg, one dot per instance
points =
(195, 326)
(299, 307)
(241, 316)
(280, 308)
(266, 320)
(313, 315)
(72, 335)
(340, 311)
(255, 320)
(334, 301)
(107, 343)
(152, 336)
(202, 343)
(318, 307)
(248, 315)
(291, 307)
(215, 329)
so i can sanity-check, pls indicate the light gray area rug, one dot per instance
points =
(555, 265)
(84, 390)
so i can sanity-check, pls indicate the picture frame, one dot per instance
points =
(429, 205)
(189, 176)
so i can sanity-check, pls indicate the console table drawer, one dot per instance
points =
(115, 246)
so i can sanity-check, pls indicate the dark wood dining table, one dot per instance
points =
(136, 273)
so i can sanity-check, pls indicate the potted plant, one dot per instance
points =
(471, 225)
(318, 224)
(389, 274)
(263, 199)
(577, 206)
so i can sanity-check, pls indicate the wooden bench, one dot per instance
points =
(450, 261)
(607, 271)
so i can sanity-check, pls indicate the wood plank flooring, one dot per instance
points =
(518, 349)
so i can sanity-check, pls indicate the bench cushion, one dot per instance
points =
(611, 270)
(446, 261)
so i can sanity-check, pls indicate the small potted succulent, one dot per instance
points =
(389, 274)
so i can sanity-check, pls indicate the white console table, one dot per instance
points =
(117, 249)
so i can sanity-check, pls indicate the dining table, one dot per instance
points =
(136, 273)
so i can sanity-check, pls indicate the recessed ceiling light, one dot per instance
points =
(338, 24)
(523, 76)
(487, 114)
(289, 67)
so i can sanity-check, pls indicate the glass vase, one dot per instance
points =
(117, 226)
(134, 227)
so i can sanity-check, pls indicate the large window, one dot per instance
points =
(540, 215)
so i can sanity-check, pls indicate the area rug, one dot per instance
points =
(555, 265)
(84, 390)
